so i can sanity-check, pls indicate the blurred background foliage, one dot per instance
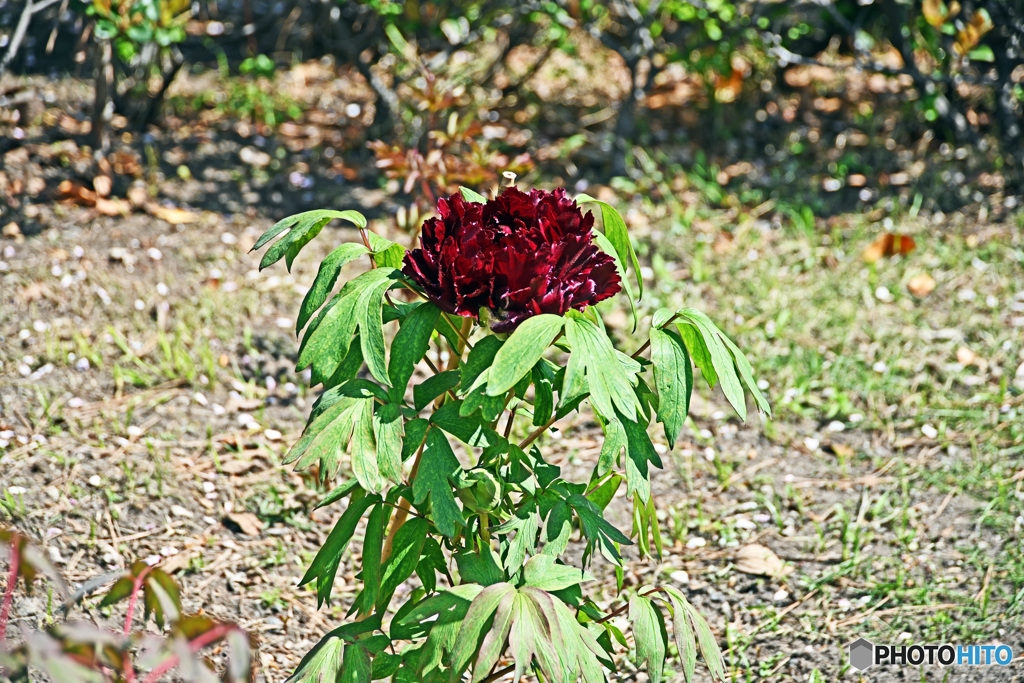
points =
(831, 105)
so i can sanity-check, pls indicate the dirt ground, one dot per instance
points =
(148, 396)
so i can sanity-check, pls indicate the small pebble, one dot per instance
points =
(696, 542)
(679, 577)
(781, 595)
(75, 402)
(17, 490)
(811, 443)
(81, 364)
(880, 367)
(929, 431)
(836, 426)
(134, 431)
(856, 418)
(179, 511)
(272, 434)
(162, 289)
(709, 454)
(154, 254)
(95, 480)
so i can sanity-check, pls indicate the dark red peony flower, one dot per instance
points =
(518, 255)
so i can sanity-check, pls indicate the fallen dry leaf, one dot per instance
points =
(33, 291)
(889, 244)
(758, 560)
(11, 230)
(74, 191)
(171, 214)
(248, 523)
(921, 285)
(112, 206)
(237, 466)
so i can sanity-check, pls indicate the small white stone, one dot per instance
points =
(134, 431)
(283, 323)
(744, 523)
(168, 550)
(883, 294)
(154, 253)
(762, 518)
(856, 418)
(929, 431)
(880, 367)
(179, 511)
(218, 409)
(208, 487)
(272, 434)
(762, 384)
(95, 480)
(781, 595)
(152, 559)
(82, 364)
(199, 398)
(660, 448)
(836, 426)
(228, 238)
(40, 326)
(679, 577)
(162, 289)
(17, 490)
(709, 454)
(696, 542)
(811, 443)
(705, 433)
(718, 415)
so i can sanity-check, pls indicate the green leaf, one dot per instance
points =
(356, 665)
(439, 468)
(639, 452)
(526, 524)
(371, 326)
(302, 228)
(686, 644)
(409, 346)
(328, 558)
(620, 267)
(530, 636)
(472, 195)
(325, 280)
(471, 430)
(338, 493)
(724, 368)
(616, 232)
(541, 571)
(649, 635)
(709, 649)
(406, 547)
(592, 351)
(699, 353)
(373, 543)
(558, 529)
(358, 304)
(480, 567)
(450, 608)
(614, 441)
(432, 387)
(603, 494)
(673, 377)
(493, 643)
(478, 618)
(544, 393)
(521, 351)
(596, 529)
(364, 451)
(388, 430)
(323, 663)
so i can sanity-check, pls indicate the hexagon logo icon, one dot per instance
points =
(862, 654)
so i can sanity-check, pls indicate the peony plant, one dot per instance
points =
(436, 438)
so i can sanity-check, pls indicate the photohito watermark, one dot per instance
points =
(864, 654)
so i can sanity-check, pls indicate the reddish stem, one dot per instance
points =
(194, 645)
(133, 599)
(12, 580)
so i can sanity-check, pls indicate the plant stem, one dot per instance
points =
(648, 342)
(463, 333)
(12, 580)
(619, 610)
(499, 673)
(511, 417)
(536, 433)
(194, 645)
(134, 598)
